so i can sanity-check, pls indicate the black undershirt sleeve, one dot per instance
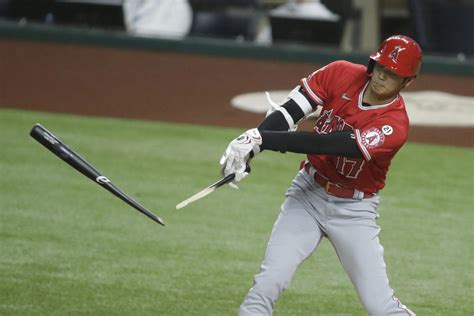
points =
(340, 143)
(275, 135)
(277, 122)
(274, 122)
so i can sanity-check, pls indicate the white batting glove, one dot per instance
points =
(238, 152)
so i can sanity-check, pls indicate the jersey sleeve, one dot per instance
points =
(381, 139)
(320, 83)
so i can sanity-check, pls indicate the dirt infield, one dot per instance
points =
(175, 87)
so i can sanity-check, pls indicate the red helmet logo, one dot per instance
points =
(395, 52)
(400, 54)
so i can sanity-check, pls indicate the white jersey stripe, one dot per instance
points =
(301, 100)
(311, 93)
(362, 148)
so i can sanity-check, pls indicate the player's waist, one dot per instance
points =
(333, 188)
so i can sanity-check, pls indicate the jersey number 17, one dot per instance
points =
(349, 168)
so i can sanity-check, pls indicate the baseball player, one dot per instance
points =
(362, 125)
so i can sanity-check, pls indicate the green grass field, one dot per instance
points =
(68, 247)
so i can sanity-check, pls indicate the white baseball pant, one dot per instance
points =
(307, 215)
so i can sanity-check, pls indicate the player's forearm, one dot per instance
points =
(337, 143)
(274, 122)
(275, 135)
(289, 114)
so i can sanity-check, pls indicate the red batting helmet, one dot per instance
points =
(398, 53)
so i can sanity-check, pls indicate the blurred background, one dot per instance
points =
(443, 27)
(187, 61)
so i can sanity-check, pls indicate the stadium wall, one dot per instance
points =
(92, 72)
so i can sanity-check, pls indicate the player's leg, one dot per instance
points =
(294, 237)
(354, 234)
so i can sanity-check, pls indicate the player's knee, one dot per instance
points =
(271, 285)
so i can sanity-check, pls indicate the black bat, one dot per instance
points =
(57, 147)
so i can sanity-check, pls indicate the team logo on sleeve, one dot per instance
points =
(373, 137)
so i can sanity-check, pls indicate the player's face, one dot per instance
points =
(386, 84)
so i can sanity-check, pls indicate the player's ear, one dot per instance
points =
(408, 81)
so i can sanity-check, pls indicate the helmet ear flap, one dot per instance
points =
(370, 66)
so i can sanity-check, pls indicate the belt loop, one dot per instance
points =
(303, 164)
(358, 195)
(327, 187)
(312, 172)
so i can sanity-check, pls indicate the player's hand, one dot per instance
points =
(238, 152)
(240, 173)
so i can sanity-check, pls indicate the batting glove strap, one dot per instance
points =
(255, 138)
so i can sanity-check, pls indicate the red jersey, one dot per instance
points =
(380, 130)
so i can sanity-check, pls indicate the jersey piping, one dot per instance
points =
(362, 148)
(311, 93)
